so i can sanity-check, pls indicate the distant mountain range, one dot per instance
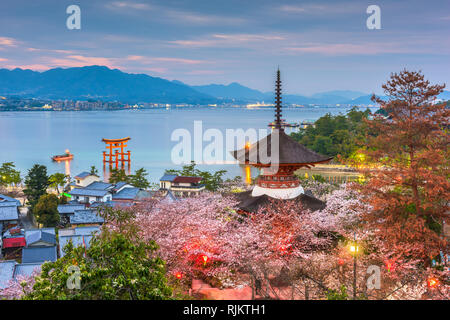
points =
(102, 83)
(97, 82)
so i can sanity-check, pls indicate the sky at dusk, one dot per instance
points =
(319, 45)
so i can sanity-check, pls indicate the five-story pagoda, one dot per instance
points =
(277, 179)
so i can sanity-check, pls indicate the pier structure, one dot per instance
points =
(116, 152)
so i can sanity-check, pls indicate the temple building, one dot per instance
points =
(277, 179)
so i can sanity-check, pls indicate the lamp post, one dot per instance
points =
(354, 248)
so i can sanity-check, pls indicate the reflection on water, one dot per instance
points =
(248, 175)
(67, 167)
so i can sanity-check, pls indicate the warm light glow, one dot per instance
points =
(354, 248)
(248, 175)
(247, 145)
(389, 266)
(433, 282)
(67, 151)
(67, 167)
(178, 275)
(205, 259)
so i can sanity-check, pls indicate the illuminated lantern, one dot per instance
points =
(389, 266)
(341, 262)
(178, 275)
(433, 282)
(205, 259)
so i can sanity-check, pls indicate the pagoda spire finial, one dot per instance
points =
(278, 106)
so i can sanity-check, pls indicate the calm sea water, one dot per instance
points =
(27, 138)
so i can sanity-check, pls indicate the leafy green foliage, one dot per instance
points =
(340, 294)
(36, 183)
(212, 181)
(57, 180)
(8, 174)
(94, 170)
(118, 175)
(138, 179)
(46, 210)
(335, 135)
(113, 267)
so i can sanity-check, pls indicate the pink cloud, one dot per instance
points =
(228, 40)
(81, 61)
(347, 49)
(8, 42)
(150, 60)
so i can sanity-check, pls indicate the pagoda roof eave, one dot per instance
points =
(290, 152)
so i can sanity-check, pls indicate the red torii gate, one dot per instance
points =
(117, 156)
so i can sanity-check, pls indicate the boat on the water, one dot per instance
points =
(63, 157)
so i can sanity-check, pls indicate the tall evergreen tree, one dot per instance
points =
(138, 179)
(36, 183)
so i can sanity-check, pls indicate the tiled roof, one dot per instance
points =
(99, 185)
(288, 151)
(99, 204)
(38, 254)
(80, 231)
(9, 212)
(88, 192)
(85, 216)
(6, 272)
(40, 236)
(77, 240)
(120, 185)
(168, 177)
(70, 208)
(86, 231)
(133, 194)
(84, 174)
(180, 179)
(127, 193)
(4, 198)
(50, 230)
(26, 269)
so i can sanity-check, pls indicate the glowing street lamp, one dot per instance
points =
(205, 259)
(354, 248)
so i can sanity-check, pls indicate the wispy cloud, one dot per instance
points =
(319, 9)
(128, 5)
(8, 42)
(81, 61)
(149, 60)
(226, 40)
